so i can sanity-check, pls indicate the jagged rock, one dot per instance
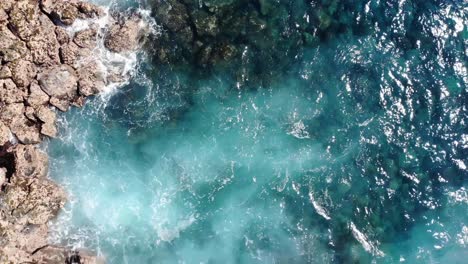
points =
(37, 96)
(24, 19)
(59, 81)
(9, 93)
(205, 23)
(30, 162)
(48, 117)
(217, 3)
(172, 14)
(86, 38)
(29, 112)
(124, 37)
(11, 111)
(37, 199)
(3, 178)
(23, 72)
(89, 10)
(43, 45)
(12, 48)
(61, 35)
(91, 79)
(62, 105)
(3, 16)
(63, 12)
(69, 53)
(25, 130)
(4, 134)
(5, 72)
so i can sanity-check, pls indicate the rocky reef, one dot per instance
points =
(45, 65)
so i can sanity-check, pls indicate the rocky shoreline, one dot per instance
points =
(47, 65)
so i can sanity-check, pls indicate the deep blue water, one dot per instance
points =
(354, 151)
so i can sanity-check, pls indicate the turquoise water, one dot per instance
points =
(350, 150)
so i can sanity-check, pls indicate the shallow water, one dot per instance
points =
(356, 153)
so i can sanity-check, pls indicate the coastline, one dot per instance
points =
(48, 63)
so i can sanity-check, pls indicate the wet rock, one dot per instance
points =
(63, 12)
(91, 79)
(37, 96)
(9, 93)
(25, 130)
(59, 81)
(218, 3)
(172, 14)
(86, 38)
(47, 117)
(23, 72)
(205, 23)
(62, 35)
(89, 10)
(4, 134)
(30, 162)
(125, 36)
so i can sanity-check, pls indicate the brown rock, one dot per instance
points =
(36, 96)
(89, 10)
(69, 53)
(91, 79)
(25, 130)
(12, 48)
(62, 35)
(86, 38)
(5, 72)
(23, 72)
(63, 12)
(37, 199)
(29, 112)
(43, 45)
(62, 105)
(9, 93)
(30, 162)
(11, 111)
(59, 82)
(48, 117)
(3, 177)
(124, 37)
(4, 134)
(24, 19)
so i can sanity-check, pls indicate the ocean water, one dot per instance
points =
(351, 150)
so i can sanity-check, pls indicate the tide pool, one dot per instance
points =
(356, 153)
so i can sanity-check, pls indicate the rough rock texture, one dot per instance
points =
(59, 81)
(42, 64)
(124, 36)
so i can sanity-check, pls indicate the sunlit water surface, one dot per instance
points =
(358, 154)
